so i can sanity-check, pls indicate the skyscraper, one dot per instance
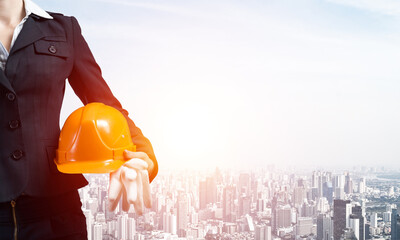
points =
(317, 181)
(348, 186)
(228, 206)
(122, 222)
(211, 187)
(203, 194)
(182, 215)
(395, 224)
(320, 227)
(299, 194)
(284, 217)
(267, 234)
(244, 184)
(355, 225)
(374, 220)
(169, 222)
(357, 213)
(207, 192)
(97, 232)
(261, 205)
(244, 205)
(328, 191)
(131, 228)
(274, 205)
(387, 217)
(304, 226)
(341, 217)
(324, 227)
(339, 193)
(89, 221)
(262, 232)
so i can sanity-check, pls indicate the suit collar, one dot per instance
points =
(30, 33)
(32, 8)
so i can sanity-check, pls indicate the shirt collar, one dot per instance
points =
(31, 7)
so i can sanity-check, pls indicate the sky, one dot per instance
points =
(246, 84)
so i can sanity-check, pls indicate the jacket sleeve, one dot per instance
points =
(88, 84)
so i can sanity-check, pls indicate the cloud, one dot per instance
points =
(385, 7)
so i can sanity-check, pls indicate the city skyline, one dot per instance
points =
(269, 119)
(261, 204)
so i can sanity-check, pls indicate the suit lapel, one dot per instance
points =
(30, 33)
(5, 82)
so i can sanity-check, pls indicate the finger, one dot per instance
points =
(136, 163)
(129, 178)
(138, 204)
(125, 203)
(114, 190)
(146, 189)
(113, 203)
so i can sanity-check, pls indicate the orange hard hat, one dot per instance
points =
(93, 140)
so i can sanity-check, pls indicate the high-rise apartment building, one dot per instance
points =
(339, 181)
(348, 186)
(263, 232)
(304, 226)
(202, 194)
(131, 227)
(207, 192)
(327, 191)
(244, 184)
(386, 217)
(341, 217)
(355, 226)
(211, 187)
(317, 182)
(97, 232)
(339, 193)
(89, 221)
(169, 223)
(122, 222)
(267, 233)
(357, 213)
(299, 194)
(244, 205)
(228, 206)
(274, 206)
(284, 217)
(324, 227)
(374, 220)
(395, 224)
(182, 215)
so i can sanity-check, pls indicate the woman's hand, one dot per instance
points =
(131, 181)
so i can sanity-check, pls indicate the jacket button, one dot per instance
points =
(10, 96)
(52, 49)
(13, 124)
(17, 154)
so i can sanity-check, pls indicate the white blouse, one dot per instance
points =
(30, 7)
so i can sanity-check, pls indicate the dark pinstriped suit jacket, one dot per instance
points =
(45, 54)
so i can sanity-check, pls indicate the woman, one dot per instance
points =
(38, 52)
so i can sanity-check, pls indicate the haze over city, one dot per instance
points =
(220, 83)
